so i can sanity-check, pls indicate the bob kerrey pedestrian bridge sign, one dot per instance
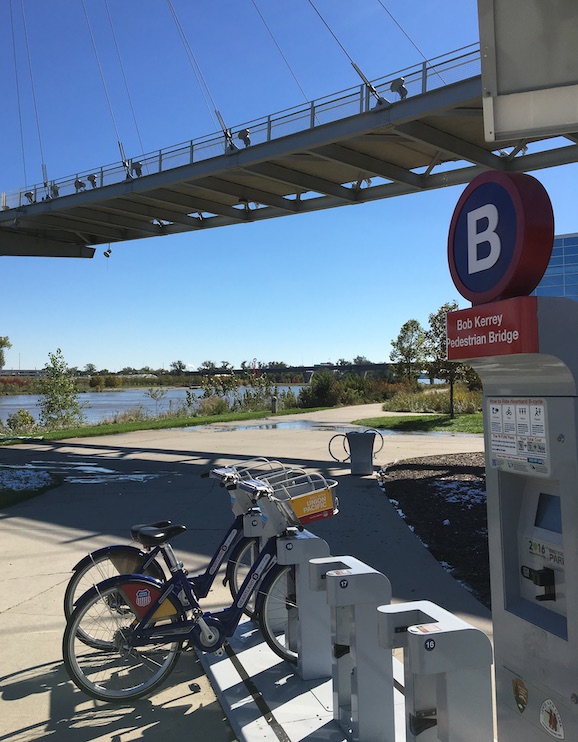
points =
(499, 245)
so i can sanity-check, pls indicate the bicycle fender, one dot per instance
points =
(126, 559)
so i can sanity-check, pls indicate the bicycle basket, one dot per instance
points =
(305, 498)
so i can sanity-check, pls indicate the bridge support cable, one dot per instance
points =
(380, 100)
(33, 87)
(411, 41)
(135, 166)
(123, 158)
(202, 83)
(280, 50)
(18, 94)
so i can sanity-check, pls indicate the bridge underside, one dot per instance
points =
(424, 142)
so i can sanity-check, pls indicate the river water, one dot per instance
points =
(101, 405)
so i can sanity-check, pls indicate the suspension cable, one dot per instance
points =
(408, 37)
(368, 85)
(120, 147)
(44, 174)
(18, 94)
(201, 82)
(124, 76)
(279, 49)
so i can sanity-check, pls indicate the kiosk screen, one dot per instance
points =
(548, 513)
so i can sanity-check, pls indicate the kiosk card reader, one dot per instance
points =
(530, 422)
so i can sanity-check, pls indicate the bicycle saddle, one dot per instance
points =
(152, 535)
(157, 524)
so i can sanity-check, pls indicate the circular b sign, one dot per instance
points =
(501, 237)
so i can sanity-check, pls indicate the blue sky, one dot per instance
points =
(302, 289)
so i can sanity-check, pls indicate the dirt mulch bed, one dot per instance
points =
(443, 500)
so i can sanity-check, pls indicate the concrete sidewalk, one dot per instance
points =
(114, 481)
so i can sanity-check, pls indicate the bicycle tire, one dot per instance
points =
(278, 612)
(104, 563)
(240, 562)
(117, 672)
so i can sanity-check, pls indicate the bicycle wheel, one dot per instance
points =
(278, 612)
(116, 671)
(240, 562)
(104, 563)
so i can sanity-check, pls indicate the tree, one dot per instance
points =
(157, 395)
(4, 344)
(59, 404)
(436, 348)
(178, 368)
(90, 369)
(436, 343)
(409, 349)
(361, 361)
(208, 366)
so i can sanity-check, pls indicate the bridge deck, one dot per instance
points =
(428, 140)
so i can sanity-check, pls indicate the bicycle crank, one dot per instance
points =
(208, 635)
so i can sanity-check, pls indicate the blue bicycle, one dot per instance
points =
(139, 624)
(238, 551)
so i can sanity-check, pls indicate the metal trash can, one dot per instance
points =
(359, 447)
(361, 451)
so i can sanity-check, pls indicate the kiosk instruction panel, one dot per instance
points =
(519, 435)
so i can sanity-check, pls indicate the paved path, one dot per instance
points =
(111, 482)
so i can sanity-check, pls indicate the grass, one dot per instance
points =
(427, 423)
(401, 424)
(89, 431)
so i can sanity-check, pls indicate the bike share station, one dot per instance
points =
(499, 246)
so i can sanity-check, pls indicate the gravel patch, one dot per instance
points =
(443, 501)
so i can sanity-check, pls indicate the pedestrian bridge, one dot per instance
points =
(414, 130)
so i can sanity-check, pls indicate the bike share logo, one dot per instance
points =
(143, 597)
(501, 237)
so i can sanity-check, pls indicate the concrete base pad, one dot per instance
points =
(266, 701)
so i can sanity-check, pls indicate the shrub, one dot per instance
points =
(465, 402)
(59, 405)
(134, 414)
(96, 382)
(209, 406)
(322, 391)
(21, 422)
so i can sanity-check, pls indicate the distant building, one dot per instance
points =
(561, 276)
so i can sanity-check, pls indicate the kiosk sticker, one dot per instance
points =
(518, 435)
(521, 694)
(550, 719)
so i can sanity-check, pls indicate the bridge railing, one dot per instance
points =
(435, 73)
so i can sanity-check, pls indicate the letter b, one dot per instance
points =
(475, 238)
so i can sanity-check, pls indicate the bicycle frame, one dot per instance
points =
(201, 583)
(198, 629)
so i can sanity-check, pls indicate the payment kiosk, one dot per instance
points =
(525, 350)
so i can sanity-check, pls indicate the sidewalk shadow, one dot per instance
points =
(74, 717)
